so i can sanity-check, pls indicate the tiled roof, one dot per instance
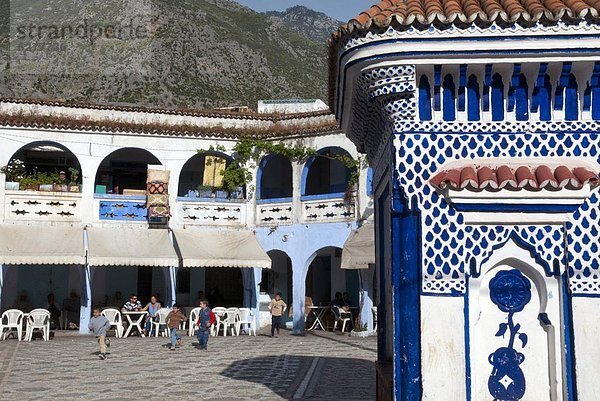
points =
(122, 119)
(515, 178)
(208, 113)
(426, 12)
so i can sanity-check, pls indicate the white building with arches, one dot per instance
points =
(284, 232)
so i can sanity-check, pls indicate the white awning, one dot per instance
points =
(41, 245)
(204, 248)
(359, 249)
(130, 247)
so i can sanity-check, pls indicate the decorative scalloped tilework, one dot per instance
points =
(450, 246)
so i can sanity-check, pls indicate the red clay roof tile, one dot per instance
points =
(522, 177)
(426, 12)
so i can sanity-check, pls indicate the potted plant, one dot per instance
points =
(237, 193)
(205, 191)
(74, 185)
(14, 171)
(221, 193)
(47, 181)
(28, 183)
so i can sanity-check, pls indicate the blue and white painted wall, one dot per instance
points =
(489, 295)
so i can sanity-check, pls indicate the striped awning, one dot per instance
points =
(220, 248)
(41, 245)
(359, 249)
(130, 247)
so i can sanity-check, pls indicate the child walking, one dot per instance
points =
(98, 326)
(174, 319)
(277, 308)
(205, 319)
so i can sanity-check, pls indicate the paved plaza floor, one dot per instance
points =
(316, 366)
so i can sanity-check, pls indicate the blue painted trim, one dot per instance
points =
(497, 98)
(274, 200)
(524, 208)
(336, 195)
(556, 51)
(572, 99)
(210, 200)
(453, 294)
(569, 341)
(583, 295)
(406, 281)
(311, 160)
(424, 99)
(259, 173)
(473, 99)
(120, 197)
(523, 244)
(369, 181)
(471, 133)
(449, 98)
(467, 335)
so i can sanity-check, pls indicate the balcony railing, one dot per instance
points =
(327, 208)
(211, 211)
(121, 208)
(42, 206)
(274, 212)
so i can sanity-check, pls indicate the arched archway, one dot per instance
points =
(46, 161)
(125, 168)
(279, 277)
(274, 177)
(325, 173)
(202, 174)
(515, 318)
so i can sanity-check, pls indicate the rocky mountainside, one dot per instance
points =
(161, 53)
(310, 23)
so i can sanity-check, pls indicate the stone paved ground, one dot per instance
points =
(317, 367)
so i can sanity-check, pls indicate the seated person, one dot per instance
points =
(23, 303)
(72, 307)
(152, 308)
(54, 313)
(133, 305)
(117, 299)
(346, 300)
(337, 300)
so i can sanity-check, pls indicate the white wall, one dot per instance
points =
(586, 325)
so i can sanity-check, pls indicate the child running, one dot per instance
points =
(174, 319)
(205, 319)
(98, 326)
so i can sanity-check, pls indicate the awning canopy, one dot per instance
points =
(130, 247)
(204, 248)
(359, 249)
(43, 245)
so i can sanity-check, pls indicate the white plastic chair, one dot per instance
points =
(231, 320)
(342, 316)
(38, 319)
(193, 320)
(162, 321)
(246, 317)
(220, 313)
(14, 321)
(374, 310)
(115, 319)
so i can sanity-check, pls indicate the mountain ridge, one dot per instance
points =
(199, 54)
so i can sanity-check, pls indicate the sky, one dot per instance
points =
(343, 10)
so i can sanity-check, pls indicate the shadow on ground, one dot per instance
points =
(295, 377)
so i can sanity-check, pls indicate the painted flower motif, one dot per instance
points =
(510, 290)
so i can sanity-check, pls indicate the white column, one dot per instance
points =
(366, 284)
(299, 290)
(86, 298)
(171, 284)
